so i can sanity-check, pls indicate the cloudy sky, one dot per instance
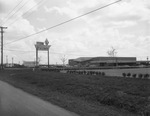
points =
(124, 25)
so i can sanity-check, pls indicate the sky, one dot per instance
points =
(124, 26)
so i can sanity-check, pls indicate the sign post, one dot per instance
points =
(48, 58)
(40, 46)
(36, 57)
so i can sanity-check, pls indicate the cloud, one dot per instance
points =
(123, 25)
(131, 9)
(20, 7)
(41, 19)
(104, 28)
(73, 8)
(21, 28)
(61, 11)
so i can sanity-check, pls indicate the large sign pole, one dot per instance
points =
(36, 57)
(41, 47)
(48, 57)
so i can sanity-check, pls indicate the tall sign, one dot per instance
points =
(40, 46)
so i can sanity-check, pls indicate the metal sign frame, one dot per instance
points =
(41, 47)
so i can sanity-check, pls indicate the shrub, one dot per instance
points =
(96, 73)
(88, 73)
(68, 71)
(91, 72)
(134, 75)
(99, 73)
(146, 76)
(129, 74)
(103, 73)
(140, 76)
(84, 72)
(124, 74)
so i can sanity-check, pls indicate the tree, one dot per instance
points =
(112, 53)
(39, 59)
(63, 59)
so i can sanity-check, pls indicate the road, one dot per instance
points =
(15, 102)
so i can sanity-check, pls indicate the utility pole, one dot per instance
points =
(2, 45)
(6, 61)
(48, 57)
(147, 61)
(12, 61)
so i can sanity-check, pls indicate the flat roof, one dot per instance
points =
(82, 59)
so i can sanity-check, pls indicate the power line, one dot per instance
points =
(17, 50)
(65, 22)
(11, 11)
(50, 52)
(40, 2)
(15, 12)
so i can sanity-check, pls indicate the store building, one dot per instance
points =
(29, 63)
(103, 61)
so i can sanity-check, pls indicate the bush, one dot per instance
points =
(84, 72)
(146, 76)
(103, 73)
(92, 72)
(129, 74)
(134, 75)
(124, 74)
(140, 76)
(96, 73)
(99, 73)
(88, 73)
(68, 71)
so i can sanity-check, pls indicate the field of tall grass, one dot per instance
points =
(87, 92)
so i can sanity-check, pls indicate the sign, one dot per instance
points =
(39, 43)
(42, 47)
(46, 42)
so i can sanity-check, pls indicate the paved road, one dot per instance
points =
(14, 102)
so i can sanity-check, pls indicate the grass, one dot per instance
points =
(85, 95)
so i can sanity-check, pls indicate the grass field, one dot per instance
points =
(87, 95)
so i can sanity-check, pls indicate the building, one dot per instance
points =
(102, 61)
(143, 62)
(9, 65)
(29, 63)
